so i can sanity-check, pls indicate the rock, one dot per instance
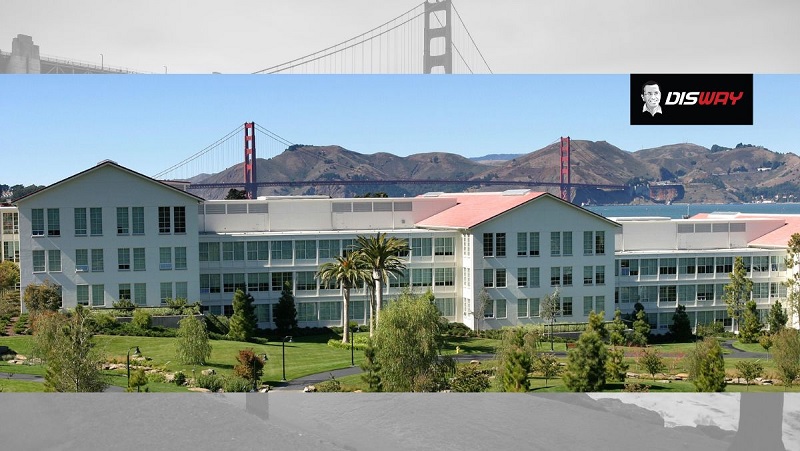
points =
(682, 376)
(664, 381)
(20, 357)
(169, 377)
(208, 372)
(310, 389)
(198, 389)
(474, 362)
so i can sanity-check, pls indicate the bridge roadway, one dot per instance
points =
(404, 182)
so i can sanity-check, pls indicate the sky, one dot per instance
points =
(580, 54)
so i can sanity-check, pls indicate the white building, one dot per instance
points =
(109, 233)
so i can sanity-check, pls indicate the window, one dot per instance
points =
(257, 250)
(164, 258)
(123, 259)
(82, 292)
(566, 277)
(140, 294)
(10, 223)
(522, 244)
(534, 278)
(687, 294)
(37, 222)
(281, 250)
(648, 266)
(181, 290)
(124, 292)
(648, 294)
(705, 265)
(500, 245)
(588, 275)
(98, 295)
(600, 243)
(306, 281)
(500, 308)
(305, 249)
(588, 243)
(488, 245)
(500, 278)
(209, 252)
(138, 259)
(555, 276)
(258, 281)
(96, 221)
(54, 260)
(179, 216)
(180, 257)
(233, 251)
(232, 282)
(522, 308)
(587, 305)
(307, 311)
(446, 306)
(445, 277)
(534, 311)
(667, 266)
(421, 247)
(97, 260)
(38, 261)
(348, 246)
(555, 244)
(705, 292)
(53, 222)
(600, 303)
(210, 283)
(760, 290)
(522, 277)
(534, 244)
(566, 306)
(667, 293)
(328, 248)
(262, 313)
(488, 309)
(686, 266)
(164, 224)
(80, 230)
(443, 246)
(401, 280)
(11, 251)
(279, 279)
(138, 220)
(466, 241)
(600, 275)
(628, 267)
(488, 278)
(466, 277)
(330, 311)
(165, 292)
(777, 263)
(421, 277)
(761, 264)
(566, 247)
(81, 260)
(123, 221)
(724, 265)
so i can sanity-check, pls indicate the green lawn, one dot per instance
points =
(749, 347)
(19, 386)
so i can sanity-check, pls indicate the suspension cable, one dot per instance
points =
(470, 37)
(198, 154)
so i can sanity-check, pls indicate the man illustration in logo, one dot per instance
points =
(651, 94)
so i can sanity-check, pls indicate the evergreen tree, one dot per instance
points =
(641, 329)
(597, 324)
(469, 379)
(586, 364)
(243, 322)
(707, 366)
(616, 330)
(737, 292)
(681, 327)
(371, 369)
(285, 311)
(516, 359)
(777, 318)
(616, 368)
(786, 354)
(751, 326)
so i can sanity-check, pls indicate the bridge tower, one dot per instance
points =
(250, 160)
(566, 182)
(437, 27)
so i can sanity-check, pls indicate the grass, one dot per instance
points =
(20, 386)
(749, 347)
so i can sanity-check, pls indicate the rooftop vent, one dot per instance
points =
(516, 192)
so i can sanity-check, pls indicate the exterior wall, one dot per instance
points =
(107, 188)
(544, 215)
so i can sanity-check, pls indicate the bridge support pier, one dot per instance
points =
(250, 181)
(436, 30)
(24, 58)
(566, 177)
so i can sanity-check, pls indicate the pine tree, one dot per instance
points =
(586, 364)
(681, 327)
(641, 329)
(285, 311)
(597, 324)
(616, 330)
(737, 292)
(786, 354)
(616, 368)
(751, 326)
(371, 369)
(707, 366)
(777, 318)
(243, 322)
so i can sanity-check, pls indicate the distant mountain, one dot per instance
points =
(740, 174)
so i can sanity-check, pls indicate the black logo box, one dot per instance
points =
(671, 87)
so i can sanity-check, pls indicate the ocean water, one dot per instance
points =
(677, 211)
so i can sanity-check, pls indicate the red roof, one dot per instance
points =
(472, 209)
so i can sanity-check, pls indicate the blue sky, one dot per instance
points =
(54, 126)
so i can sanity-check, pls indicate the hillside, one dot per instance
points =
(708, 175)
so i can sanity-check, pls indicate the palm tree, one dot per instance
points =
(348, 271)
(382, 256)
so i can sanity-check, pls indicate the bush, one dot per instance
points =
(469, 379)
(124, 304)
(360, 343)
(142, 319)
(211, 382)
(329, 386)
(21, 326)
(234, 384)
(180, 378)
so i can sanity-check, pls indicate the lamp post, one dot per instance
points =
(283, 354)
(352, 346)
(101, 62)
(135, 353)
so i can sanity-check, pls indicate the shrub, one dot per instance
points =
(469, 378)
(331, 385)
(21, 326)
(360, 343)
(125, 304)
(142, 319)
(236, 384)
(180, 378)
(211, 382)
